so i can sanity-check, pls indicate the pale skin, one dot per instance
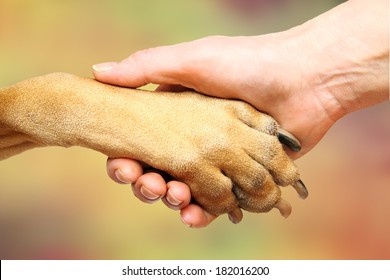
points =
(307, 78)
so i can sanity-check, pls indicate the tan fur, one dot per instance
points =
(225, 150)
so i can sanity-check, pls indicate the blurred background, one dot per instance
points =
(58, 203)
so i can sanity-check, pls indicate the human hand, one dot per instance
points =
(151, 187)
(258, 70)
(215, 54)
(178, 67)
(306, 78)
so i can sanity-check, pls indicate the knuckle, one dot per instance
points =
(284, 171)
(141, 54)
(252, 117)
(260, 201)
(268, 124)
(214, 195)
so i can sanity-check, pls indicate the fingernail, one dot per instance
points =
(185, 222)
(102, 67)
(148, 194)
(121, 177)
(172, 199)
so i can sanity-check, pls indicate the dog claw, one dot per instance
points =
(235, 216)
(301, 189)
(284, 207)
(289, 140)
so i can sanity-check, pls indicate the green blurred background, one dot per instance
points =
(59, 203)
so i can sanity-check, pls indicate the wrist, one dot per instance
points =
(348, 49)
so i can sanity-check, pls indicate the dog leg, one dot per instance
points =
(225, 150)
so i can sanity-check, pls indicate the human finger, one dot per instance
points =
(178, 195)
(123, 170)
(150, 187)
(194, 216)
(160, 65)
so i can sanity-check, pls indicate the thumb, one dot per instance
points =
(159, 65)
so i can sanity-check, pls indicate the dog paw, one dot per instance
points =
(242, 164)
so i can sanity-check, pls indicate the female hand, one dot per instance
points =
(306, 78)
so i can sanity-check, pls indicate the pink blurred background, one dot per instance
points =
(58, 203)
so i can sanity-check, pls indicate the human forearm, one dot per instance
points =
(350, 54)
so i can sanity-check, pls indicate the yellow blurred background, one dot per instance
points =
(59, 203)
